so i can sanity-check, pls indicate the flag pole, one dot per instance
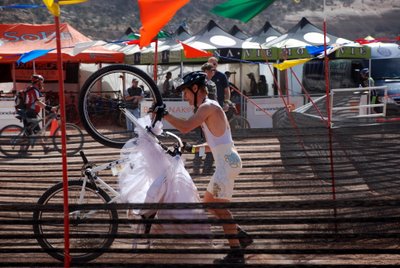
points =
(67, 257)
(328, 111)
(155, 61)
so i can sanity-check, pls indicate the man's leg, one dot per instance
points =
(128, 123)
(236, 255)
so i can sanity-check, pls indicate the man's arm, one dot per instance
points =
(227, 93)
(186, 125)
(43, 105)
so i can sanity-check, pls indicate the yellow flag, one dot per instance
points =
(289, 63)
(71, 2)
(54, 7)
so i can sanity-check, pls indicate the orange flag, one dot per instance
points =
(53, 127)
(191, 52)
(154, 14)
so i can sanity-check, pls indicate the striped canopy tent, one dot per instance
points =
(214, 39)
(292, 45)
(237, 32)
(266, 34)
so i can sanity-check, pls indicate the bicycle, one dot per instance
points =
(236, 121)
(90, 189)
(15, 140)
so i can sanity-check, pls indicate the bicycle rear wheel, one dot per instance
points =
(238, 122)
(13, 141)
(91, 232)
(101, 96)
(75, 139)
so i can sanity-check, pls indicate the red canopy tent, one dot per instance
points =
(16, 39)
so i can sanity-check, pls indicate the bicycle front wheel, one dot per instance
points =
(101, 97)
(91, 231)
(75, 139)
(13, 141)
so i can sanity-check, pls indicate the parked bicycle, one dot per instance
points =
(236, 121)
(16, 141)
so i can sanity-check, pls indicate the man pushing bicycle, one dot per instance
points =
(30, 104)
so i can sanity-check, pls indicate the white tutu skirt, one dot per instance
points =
(152, 176)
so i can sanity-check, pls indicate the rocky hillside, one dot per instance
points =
(105, 19)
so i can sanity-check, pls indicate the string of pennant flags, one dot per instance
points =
(242, 10)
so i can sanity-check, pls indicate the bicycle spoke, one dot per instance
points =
(101, 98)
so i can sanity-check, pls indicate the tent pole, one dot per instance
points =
(13, 77)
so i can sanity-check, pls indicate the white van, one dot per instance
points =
(385, 70)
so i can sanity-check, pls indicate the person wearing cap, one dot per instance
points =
(133, 97)
(213, 121)
(365, 79)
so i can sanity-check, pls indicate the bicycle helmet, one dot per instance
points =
(194, 78)
(36, 78)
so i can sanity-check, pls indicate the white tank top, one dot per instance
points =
(213, 141)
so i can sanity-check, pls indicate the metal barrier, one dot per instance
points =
(357, 104)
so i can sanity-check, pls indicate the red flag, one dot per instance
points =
(191, 52)
(154, 14)
(132, 42)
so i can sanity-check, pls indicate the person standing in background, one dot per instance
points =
(168, 85)
(133, 97)
(220, 80)
(253, 84)
(262, 86)
(209, 70)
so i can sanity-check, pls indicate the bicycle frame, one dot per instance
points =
(42, 132)
(90, 173)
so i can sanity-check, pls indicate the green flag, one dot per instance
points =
(243, 10)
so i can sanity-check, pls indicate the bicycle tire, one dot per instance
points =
(75, 139)
(13, 141)
(100, 97)
(48, 225)
(238, 122)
